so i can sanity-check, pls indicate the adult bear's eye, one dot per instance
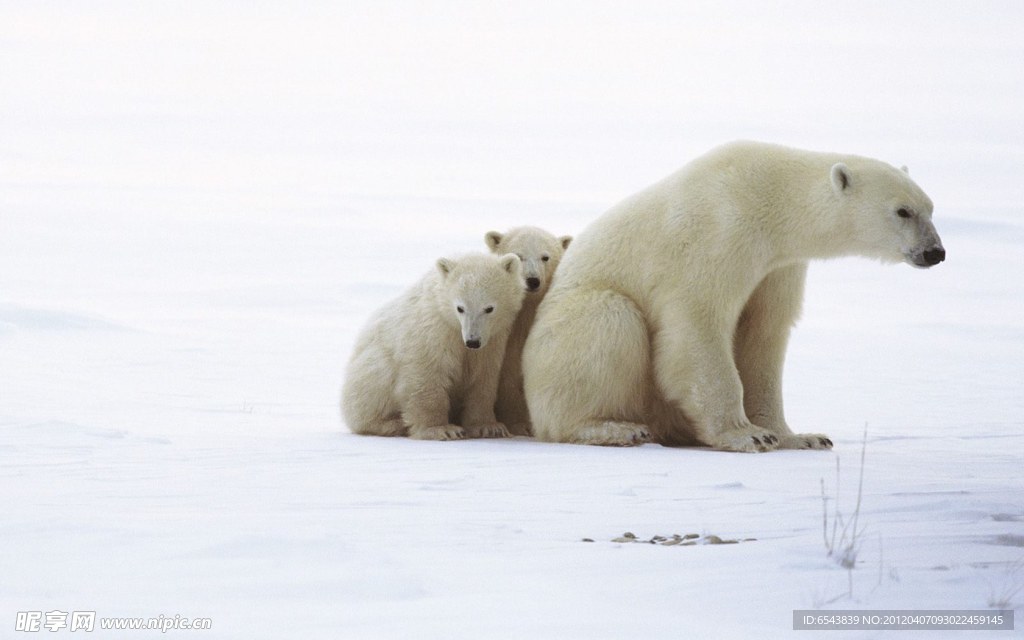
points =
(903, 213)
(489, 310)
(460, 309)
(545, 258)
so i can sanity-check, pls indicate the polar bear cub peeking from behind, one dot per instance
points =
(540, 252)
(427, 364)
(670, 315)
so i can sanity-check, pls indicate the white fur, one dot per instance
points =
(412, 373)
(670, 315)
(541, 253)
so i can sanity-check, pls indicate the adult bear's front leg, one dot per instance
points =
(762, 335)
(693, 366)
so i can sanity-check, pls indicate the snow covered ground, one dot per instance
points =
(201, 203)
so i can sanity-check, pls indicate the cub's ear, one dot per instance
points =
(840, 177)
(565, 240)
(445, 266)
(511, 263)
(493, 239)
(905, 170)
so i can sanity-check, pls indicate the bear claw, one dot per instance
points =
(749, 440)
(493, 430)
(818, 442)
(814, 441)
(443, 432)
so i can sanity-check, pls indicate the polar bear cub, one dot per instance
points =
(427, 364)
(670, 315)
(540, 253)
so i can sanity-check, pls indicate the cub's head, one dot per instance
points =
(483, 292)
(539, 250)
(891, 215)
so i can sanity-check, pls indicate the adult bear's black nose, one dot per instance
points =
(473, 344)
(533, 284)
(934, 256)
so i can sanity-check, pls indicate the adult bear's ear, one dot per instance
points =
(493, 239)
(445, 266)
(565, 240)
(840, 177)
(905, 169)
(510, 262)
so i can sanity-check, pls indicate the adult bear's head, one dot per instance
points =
(891, 215)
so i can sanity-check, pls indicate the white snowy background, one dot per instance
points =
(202, 202)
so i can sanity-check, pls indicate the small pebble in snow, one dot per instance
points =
(688, 540)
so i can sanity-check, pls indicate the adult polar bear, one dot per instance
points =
(669, 316)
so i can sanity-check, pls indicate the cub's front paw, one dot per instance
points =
(441, 432)
(492, 430)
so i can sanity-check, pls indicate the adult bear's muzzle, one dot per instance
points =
(934, 256)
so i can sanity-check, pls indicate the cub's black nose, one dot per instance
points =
(533, 284)
(473, 344)
(935, 256)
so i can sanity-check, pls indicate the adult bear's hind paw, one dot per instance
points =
(613, 434)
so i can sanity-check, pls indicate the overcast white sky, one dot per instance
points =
(535, 100)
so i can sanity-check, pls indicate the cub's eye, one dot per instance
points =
(903, 213)
(489, 310)
(460, 309)
(545, 258)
